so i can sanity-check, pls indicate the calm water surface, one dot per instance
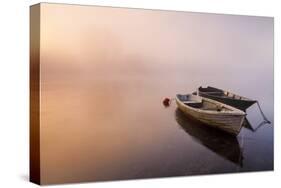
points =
(105, 72)
(120, 130)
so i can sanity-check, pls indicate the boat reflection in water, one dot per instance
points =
(224, 145)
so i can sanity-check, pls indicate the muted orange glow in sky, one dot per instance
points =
(97, 36)
(104, 72)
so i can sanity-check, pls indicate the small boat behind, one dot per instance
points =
(211, 112)
(226, 97)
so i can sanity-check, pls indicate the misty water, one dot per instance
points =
(105, 72)
(119, 129)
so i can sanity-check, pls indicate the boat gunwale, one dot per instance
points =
(242, 98)
(227, 97)
(234, 111)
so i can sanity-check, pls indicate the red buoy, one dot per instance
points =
(166, 102)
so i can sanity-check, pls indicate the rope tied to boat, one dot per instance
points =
(167, 102)
(263, 115)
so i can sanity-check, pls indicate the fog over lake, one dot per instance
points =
(105, 72)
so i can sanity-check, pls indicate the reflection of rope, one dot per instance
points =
(262, 113)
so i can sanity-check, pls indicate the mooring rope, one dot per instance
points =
(264, 117)
(260, 125)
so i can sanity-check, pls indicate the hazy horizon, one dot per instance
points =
(104, 72)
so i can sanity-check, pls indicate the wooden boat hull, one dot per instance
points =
(242, 103)
(228, 122)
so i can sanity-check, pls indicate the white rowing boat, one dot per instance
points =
(211, 112)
